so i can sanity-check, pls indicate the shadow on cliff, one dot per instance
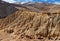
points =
(4, 12)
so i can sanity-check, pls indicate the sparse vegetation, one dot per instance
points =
(31, 25)
(29, 22)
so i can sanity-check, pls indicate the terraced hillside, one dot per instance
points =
(24, 25)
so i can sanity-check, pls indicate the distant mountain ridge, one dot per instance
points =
(7, 8)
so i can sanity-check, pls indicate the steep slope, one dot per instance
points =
(6, 9)
(29, 25)
(29, 22)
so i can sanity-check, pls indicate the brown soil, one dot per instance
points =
(30, 26)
